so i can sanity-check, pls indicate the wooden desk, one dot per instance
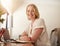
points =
(23, 42)
(14, 43)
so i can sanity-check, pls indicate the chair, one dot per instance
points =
(55, 37)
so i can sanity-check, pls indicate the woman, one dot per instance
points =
(36, 31)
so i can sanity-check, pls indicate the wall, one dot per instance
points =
(49, 10)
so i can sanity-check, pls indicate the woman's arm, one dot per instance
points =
(36, 34)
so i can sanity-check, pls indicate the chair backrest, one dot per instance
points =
(58, 42)
(55, 37)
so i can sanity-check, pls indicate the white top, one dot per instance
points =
(43, 38)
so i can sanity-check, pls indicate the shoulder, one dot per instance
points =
(39, 21)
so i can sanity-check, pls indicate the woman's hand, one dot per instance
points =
(24, 38)
(24, 34)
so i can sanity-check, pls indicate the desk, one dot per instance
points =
(15, 43)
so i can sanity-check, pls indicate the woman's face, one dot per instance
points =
(30, 12)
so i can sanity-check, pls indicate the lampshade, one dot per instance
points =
(16, 4)
(12, 5)
(2, 10)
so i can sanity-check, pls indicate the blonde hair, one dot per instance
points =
(36, 10)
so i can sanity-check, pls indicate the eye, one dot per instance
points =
(27, 10)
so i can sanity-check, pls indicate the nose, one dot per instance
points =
(30, 13)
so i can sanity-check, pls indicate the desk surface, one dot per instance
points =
(17, 41)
